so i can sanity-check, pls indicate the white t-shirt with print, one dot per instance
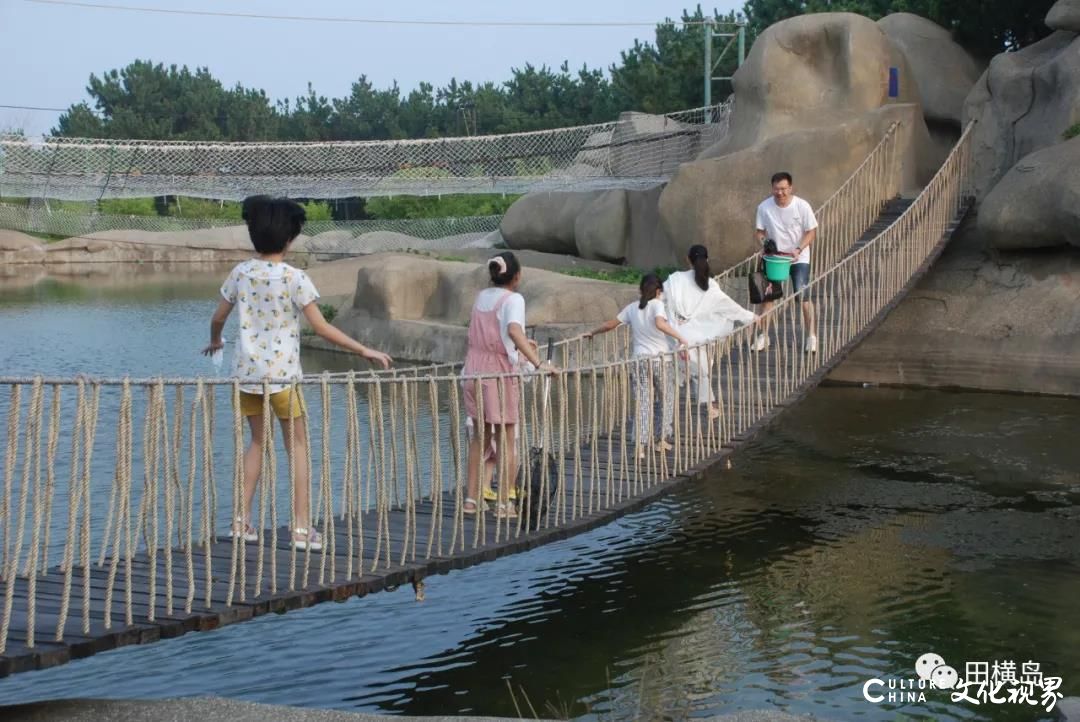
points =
(647, 339)
(512, 311)
(787, 225)
(269, 298)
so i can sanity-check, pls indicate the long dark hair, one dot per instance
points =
(650, 286)
(500, 277)
(699, 259)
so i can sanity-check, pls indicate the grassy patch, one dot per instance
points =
(1071, 132)
(622, 275)
(47, 237)
(329, 311)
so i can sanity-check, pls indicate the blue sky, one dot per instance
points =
(49, 51)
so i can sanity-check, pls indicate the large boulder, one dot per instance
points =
(600, 231)
(594, 158)
(811, 70)
(942, 71)
(19, 248)
(1037, 203)
(650, 146)
(403, 286)
(1064, 15)
(712, 201)
(545, 221)
(647, 244)
(16, 241)
(418, 308)
(1024, 102)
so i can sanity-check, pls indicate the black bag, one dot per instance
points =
(762, 289)
(538, 495)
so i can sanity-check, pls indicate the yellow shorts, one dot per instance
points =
(252, 404)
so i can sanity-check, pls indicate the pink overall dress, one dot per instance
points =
(487, 355)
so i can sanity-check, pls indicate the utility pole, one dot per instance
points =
(735, 35)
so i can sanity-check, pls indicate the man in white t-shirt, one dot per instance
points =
(788, 221)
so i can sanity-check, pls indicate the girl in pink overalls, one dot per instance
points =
(496, 338)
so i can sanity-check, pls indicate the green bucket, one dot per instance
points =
(777, 268)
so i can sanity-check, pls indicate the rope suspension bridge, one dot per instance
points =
(105, 545)
(637, 151)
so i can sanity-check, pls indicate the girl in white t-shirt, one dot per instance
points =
(649, 333)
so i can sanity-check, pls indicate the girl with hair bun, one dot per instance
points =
(702, 312)
(496, 339)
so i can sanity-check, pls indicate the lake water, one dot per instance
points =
(869, 527)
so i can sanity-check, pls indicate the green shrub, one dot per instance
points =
(329, 311)
(128, 206)
(448, 206)
(318, 211)
(1071, 132)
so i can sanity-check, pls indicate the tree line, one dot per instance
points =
(148, 100)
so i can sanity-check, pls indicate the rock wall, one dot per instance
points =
(712, 201)
(1024, 102)
(1001, 308)
(981, 319)
(418, 308)
(812, 98)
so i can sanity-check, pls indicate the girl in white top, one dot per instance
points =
(702, 312)
(649, 334)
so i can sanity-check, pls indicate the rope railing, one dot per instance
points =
(844, 216)
(118, 495)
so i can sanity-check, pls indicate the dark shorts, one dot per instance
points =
(800, 276)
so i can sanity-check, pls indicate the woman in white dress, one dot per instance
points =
(701, 312)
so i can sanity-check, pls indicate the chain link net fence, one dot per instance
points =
(636, 151)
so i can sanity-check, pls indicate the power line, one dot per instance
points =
(370, 21)
(32, 107)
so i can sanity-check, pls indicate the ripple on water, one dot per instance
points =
(866, 528)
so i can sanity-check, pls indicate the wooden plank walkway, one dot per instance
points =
(298, 587)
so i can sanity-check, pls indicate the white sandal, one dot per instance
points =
(312, 540)
(242, 530)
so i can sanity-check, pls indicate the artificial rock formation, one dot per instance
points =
(712, 202)
(418, 308)
(1024, 102)
(1064, 15)
(811, 99)
(941, 70)
(1037, 203)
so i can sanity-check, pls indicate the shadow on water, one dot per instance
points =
(867, 527)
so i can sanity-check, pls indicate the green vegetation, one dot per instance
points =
(203, 208)
(128, 206)
(448, 206)
(622, 275)
(1071, 132)
(171, 206)
(154, 101)
(329, 311)
(318, 211)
